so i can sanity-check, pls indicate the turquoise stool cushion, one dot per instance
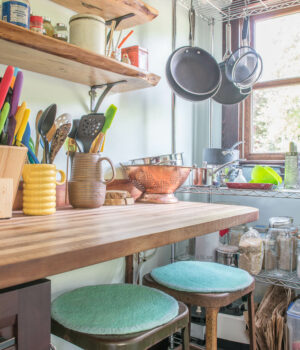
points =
(202, 277)
(114, 309)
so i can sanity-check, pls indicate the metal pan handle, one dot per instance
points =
(245, 31)
(228, 51)
(192, 17)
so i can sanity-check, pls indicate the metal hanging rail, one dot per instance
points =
(224, 10)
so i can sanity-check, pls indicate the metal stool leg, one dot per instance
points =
(251, 317)
(211, 328)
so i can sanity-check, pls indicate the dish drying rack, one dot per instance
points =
(225, 10)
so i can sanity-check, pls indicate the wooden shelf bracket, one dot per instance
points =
(93, 94)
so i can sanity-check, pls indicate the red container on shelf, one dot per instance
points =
(36, 24)
(137, 55)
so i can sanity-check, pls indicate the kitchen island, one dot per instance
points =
(33, 248)
(36, 247)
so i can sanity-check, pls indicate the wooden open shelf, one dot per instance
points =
(111, 9)
(28, 50)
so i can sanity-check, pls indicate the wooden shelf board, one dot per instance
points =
(110, 9)
(38, 53)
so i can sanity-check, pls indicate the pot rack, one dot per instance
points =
(225, 10)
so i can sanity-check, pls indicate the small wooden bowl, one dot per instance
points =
(125, 185)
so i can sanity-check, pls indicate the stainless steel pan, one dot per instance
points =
(228, 93)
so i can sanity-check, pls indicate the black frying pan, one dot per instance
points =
(195, 70)
(229, 94)
(181, 92)
(191, 71)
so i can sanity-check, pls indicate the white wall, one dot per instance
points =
(142, 125)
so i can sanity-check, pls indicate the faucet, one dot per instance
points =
(226, 164)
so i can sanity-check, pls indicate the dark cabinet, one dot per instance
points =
(25, 316)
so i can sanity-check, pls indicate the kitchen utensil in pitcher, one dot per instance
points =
(228, 93)
(59, 139)
(19, 117)
(4, 115)
(89, 128)
(61, 120)
(37, 134)
(13, 108)
(25, 142)
(72, 145)
(5, 83)
(109, 117)
(23, 126)
(44, 125)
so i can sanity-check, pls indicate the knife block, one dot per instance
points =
(12, 160)
(6, 198)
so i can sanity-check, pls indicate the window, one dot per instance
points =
(271, 117)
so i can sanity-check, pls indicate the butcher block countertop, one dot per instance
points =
(36, 247)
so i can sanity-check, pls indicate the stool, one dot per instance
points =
(118, 316)
(208, 285)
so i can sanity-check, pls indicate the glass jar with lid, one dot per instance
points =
(48, 26)
(270, 251)
(285, 251)
(235, 234)
(61, 32)
(279, 221)
(298, 258)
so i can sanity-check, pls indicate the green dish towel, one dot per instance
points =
(114, 309)
(202, 277)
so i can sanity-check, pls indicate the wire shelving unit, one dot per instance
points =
(224, 10)
(224, 191)
(288, 281)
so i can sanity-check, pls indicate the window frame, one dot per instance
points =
(245, 108)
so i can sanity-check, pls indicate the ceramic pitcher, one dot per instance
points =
(87, 187)
(39, 189)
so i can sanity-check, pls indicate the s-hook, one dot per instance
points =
(93, 94)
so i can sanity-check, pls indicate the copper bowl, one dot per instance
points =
(158, 182)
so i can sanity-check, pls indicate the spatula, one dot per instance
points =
(3, 115)
(21, 131)
(13, 108)
(89, 128)
(72, 136)
(59, 139)
(5, 83)
(19, 117)
(25, 142)
(61, 120)
(44, 125)
(109, 114)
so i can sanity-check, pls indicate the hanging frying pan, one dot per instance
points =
(181, 92)
(244, 66)
(229, 94)
(193, 73)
